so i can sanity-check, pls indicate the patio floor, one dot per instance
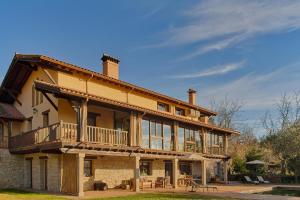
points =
(241, 191)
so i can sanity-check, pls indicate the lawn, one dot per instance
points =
(12, 194)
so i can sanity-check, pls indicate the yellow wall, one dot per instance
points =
(105, 118)
(101, 88)
(26, 98)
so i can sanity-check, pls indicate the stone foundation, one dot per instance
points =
(11, 170)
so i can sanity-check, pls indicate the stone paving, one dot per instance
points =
(240, 191)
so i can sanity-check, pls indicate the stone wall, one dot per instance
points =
(53, 169)
(11, 170)
(111, 170)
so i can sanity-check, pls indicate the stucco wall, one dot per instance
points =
(104, 89)
(26, 98)
(11, 170)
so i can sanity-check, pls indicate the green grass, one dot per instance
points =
(13, 194)
(164, 196)
(283, 192)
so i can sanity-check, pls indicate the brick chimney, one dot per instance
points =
(110, 66)
(192, 96)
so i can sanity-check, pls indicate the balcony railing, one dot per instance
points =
(106, 136)
(4, 142)
(217, 150)
(67, 133)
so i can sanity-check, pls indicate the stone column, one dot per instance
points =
(175, 172)
(137, 174)
(225, 171)
(83, 121)
(203, 171)
(80, 171)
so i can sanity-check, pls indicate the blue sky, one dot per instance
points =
(247, 50)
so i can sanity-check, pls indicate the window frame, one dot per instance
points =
(180, 110)
(155, 130)
(161, 105)
(89, 169)
(149, 167)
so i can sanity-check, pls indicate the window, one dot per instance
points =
(215, 139)
(46, 118)
(162, 107)
(145, 133)
(199, 142)
(189, 140)
(185, 168)
(179, 111)
(88, 168)
(145, 168)
(167, 130)
(91, 119)
(157, 135)
(37, 97)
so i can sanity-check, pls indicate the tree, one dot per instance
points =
(227, 110)
(283, 131)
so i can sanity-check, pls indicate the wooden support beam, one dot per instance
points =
(49, 76)
(13, 96)
(50, 101)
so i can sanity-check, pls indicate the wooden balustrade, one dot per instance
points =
(215, 150)
(106, 136)
(68, 132)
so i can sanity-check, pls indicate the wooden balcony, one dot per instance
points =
(216, 150)
(66, 133)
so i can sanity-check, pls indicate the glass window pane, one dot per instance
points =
(181, 139)
(167, 137)
(158, 129)
(152, 128)
(156, 143)
(145, 133)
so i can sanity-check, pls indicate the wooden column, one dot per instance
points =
(225, 144)
(139, 130)
(175, 128)
(204, 137)
(83, 121)
(175, 172)
(203, 172)
(80, 172)
(133, 129)
(137, 174)
(225, 170)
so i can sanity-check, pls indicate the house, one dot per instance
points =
(63, 128)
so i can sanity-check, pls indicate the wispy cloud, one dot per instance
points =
(221, 24)
(258, 91)
(217, 70)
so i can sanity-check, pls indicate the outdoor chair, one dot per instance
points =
(248, 180)
(144, 182)
(261, 179)
(160, 182)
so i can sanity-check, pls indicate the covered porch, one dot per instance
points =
(128, 171)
